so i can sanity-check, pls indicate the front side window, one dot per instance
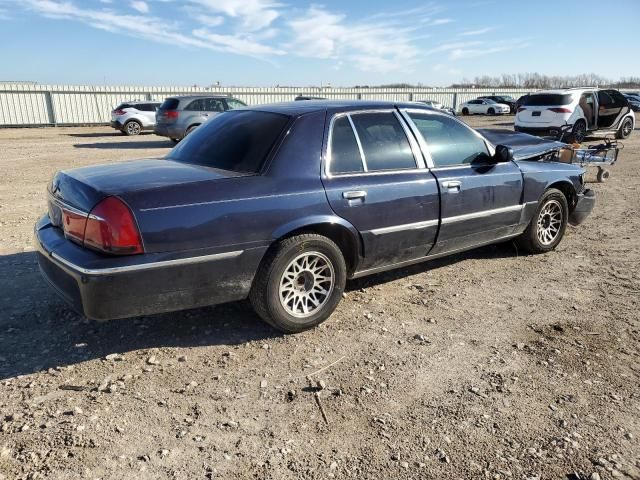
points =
(384, 143)
(345, 154)
(234, 103)
(236, 141)
(449, 142)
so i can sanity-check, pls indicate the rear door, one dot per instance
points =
(612, 106)
(212, 107)
(480, 201)
(375, 178)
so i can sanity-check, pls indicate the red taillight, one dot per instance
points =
(119, 111)
(171, 114)
(111, 228)
(73, 224)
(559, 110)
(521, 109)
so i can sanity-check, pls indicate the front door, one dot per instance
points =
(612, 106)
(374, 177)
(480, 201)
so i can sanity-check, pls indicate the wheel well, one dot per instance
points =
(569, 193)
(133, 120)
(347, 243)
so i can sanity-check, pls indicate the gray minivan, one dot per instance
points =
(178, 116)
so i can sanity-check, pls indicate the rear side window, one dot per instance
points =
(619, 99)
(236, 141)
(147, 107)
(384, 143)
(169, 104)
(345, 154)
(195, 105)
(545, 99)
(449, 143)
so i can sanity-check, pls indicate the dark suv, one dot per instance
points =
(178, 116)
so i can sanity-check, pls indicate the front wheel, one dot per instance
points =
(299, 283)
(547, 227)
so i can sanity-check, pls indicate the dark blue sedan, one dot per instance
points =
(283, 203)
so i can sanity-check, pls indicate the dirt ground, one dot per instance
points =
(488, 364)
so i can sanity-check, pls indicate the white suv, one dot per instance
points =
(574, 113)
(131, 118)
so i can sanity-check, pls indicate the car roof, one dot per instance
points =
(139, 102)
(201, 95)
(332, 106)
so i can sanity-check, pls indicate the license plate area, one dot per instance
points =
(536, 113)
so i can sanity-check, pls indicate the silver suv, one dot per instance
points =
(131, 118)
(177, 117)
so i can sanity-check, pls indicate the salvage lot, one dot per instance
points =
(488, 364)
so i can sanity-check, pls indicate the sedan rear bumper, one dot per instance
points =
(104, 288)
(584, 207)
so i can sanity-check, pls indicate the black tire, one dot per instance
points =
(625, 129)
(531, 239)
(190, 129)
(132, 128)
(578, 132)
(465, 111)
(267, 293)
(491, 111)
(603, 175)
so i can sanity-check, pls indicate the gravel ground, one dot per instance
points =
(488, 364)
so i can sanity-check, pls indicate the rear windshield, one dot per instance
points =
(122, 106)
(238, 141)
(169, 104)
(544, 99)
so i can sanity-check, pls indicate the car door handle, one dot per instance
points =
(354, 194)
(452, 185)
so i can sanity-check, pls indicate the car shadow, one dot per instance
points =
(128, 145)
(38, 331)
(95, 134)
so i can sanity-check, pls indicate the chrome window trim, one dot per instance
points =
(144, 266)
(363, 160)
(425, 144)
(415, 150)
(481, 214)
(404, 227)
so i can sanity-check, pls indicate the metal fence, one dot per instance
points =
(32, 105)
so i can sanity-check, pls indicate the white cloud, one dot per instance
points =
(253, 14)
(441, 21)
(140, 6)
(370, 45)
(236, 43)
(479, 31)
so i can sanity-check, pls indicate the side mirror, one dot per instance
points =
(503, 154)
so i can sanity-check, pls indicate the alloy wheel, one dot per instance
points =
(549, 222)
(133, 128)
(627, 126)
(306, 284)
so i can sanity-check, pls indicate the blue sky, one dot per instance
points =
(281, 42)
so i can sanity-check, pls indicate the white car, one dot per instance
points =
(131, 118)
(437, 105)
(483, 106)
(573, 113)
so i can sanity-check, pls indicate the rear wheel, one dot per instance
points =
(578, 132)
(190, 129)
(132, 128)
(547, 227)
(465, 111)
(299, 283)
(625, 129)
(491, 111)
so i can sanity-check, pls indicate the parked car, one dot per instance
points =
(131, 118)
(484, 107)
(634, 101)
(283, 203)
(178, 116)
(437, 105)
(579, 111)
(503, 99)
